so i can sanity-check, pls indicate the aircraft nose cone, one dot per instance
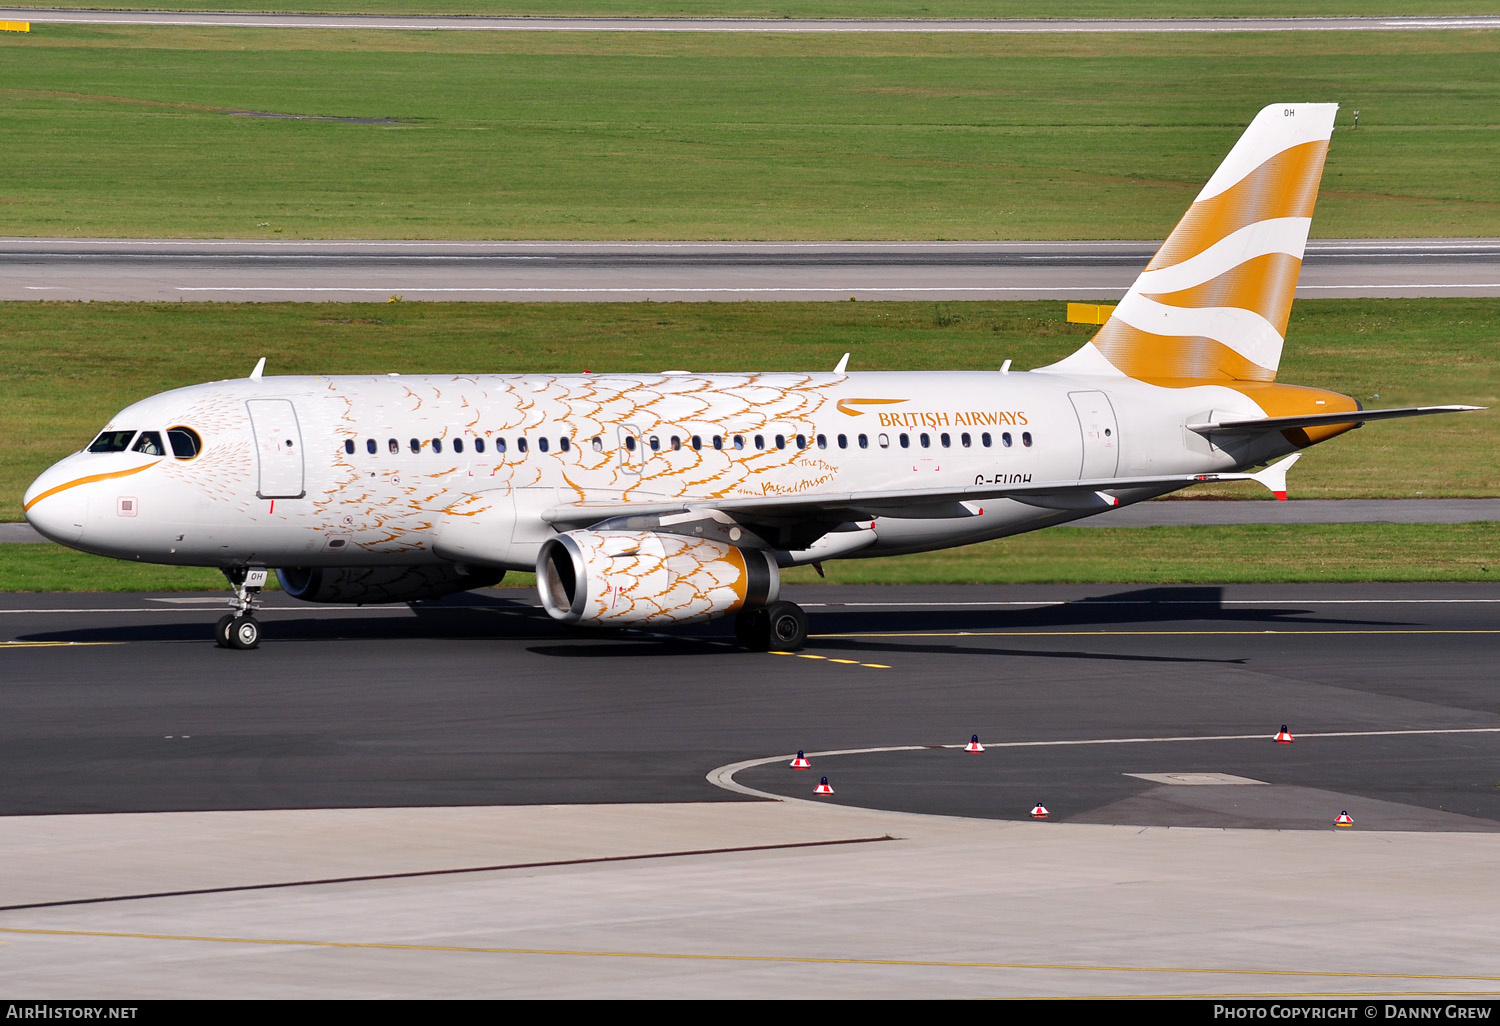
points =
(55, 510)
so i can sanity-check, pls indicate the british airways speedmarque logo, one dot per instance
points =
(846, 406)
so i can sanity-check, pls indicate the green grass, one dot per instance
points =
(66, 368)
(135, 132)
(818, 8)
(1150, 555)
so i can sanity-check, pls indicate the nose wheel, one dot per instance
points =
(240, 629)
(234, 631)
(779, 627)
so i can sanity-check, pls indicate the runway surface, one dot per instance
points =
(766, 25)
(173, 270)
(470, 801)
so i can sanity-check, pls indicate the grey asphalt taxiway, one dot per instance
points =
(465, 799)
(314, 271)
(339, 707)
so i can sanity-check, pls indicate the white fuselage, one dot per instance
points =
(363, 471)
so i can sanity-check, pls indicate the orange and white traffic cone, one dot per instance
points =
(1039, 811)
(974, 745)
(823, 787)
(1282, 737)
(1343, 820)
(800, 762)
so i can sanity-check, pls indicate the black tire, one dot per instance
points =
(752, 630)
(221, 630)
(786, 627)
(244, 633)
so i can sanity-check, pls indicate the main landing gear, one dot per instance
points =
(240, 629)
(779, 627)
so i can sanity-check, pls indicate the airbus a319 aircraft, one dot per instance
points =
(677, 497)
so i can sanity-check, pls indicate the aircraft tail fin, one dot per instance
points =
(1212, 305)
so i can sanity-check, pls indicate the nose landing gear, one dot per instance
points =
(240, 629)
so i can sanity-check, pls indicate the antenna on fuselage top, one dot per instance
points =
(260, 367)
(842, 364)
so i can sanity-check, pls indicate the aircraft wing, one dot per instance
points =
(911, 502)
(1257, 425)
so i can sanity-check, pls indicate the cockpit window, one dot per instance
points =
(186, 443)
(112, 441)
(149, 444)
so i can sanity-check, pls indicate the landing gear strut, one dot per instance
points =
(240, 629)
(779, 627)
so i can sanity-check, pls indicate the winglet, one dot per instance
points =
(842, 364)
(1274, 476)
(260, 368)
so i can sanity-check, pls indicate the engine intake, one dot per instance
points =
(626, 577)
(376, 584)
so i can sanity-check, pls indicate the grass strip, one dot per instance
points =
(1127, 555)
(67, 368)
(814, 8)
(122, 131)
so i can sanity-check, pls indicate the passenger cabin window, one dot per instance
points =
(370, 445)
(739, 441)
(1005, 439)
(520, 445)
(945, 439)
(437, 445)
(563, 444)
(149, 444)
(718, 441)
(965, 440)
(781, 441)
(500, 445)
(905, 440)
(926, 440)
(186, 444)
(985, 440)
(112, 441)
(884, 440)
(349, 446)
(676, 444)
(479, 445)
(822, 441)
(864, 441)
(843, 441)
(458, 445)
(655, 444)
(416, 445)
(802, 441)
(630, 443)
(598, 444)
(541, 444)
(391, 445)
(1026, 439)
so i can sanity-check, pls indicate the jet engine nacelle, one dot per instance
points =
(376, 584)
(629, 577)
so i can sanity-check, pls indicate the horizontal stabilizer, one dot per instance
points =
(1256, 425)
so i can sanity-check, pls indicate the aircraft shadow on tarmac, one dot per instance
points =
(497, 617)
